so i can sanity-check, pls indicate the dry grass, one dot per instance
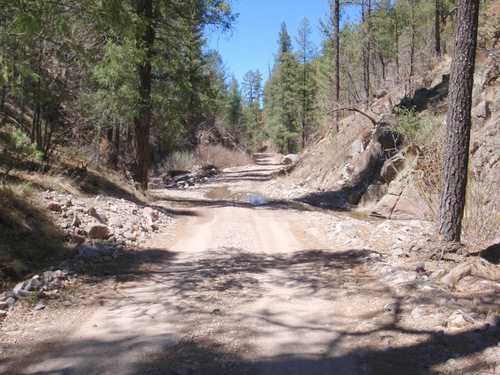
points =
(220, 157)
(481, 222)
(179, 161)
(27, 234)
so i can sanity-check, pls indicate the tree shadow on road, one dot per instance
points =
(210, 292)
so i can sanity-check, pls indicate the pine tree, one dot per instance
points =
(458, 124)
(305, 54)
(282, 97)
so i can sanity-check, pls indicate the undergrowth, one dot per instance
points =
(205, 156)
(27, 234)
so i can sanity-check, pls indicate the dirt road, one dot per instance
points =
(243, 285)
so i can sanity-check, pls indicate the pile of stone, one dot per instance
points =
(444, 307)
(186, 180)
(47, 286)
(105, 218)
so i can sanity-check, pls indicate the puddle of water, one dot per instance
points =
(224, 193)
(257, 199)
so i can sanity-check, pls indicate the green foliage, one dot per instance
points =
(16, 148)
(282, 98)
(415, 129)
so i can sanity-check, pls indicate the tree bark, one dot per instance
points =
(142, 121)
(437, 31)
(456, 157)
(337, 61)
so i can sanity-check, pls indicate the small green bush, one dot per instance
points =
(414, 128)
(16, 149)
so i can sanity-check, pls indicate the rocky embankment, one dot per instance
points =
(97, 230)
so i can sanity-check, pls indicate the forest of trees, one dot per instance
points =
(129, 82)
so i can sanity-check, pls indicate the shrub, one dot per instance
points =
(220, 157)
(415, 129)
(16, 148)
(481, 222)
(178, 161)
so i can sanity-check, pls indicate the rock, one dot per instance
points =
(98, 231)
(76, 221)
(438, 273)
(59, 275)
(457, 319)
(129, 235)
(47, 277)
(54, 206)
(409, 206)
(418, 267)
(150, 215)
(388, 138)
(3, 305)
(19, 287)
(10, 302)
(395, 188)
(392, 167)
(380, 94)
(497, 370)
(493, 320)
(373, 194)
(93, 212)
(385, 206)
(77, 238)
(64, 226)
(39, 306)
(483, 110)
(456, 274)
(393, 308)
(115, 222)
(91, 252)
(290, 159)
(3, 313)
(34, 284)
(418, 311)
(10, 294)
(24, 293)
(356, 148)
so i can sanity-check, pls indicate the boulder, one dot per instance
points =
(483, 110)
(91, 252)
(150, 214)
(456, 274)
(392, 167)
(18, 288)
(409, 206)
(388, 138)
(373, 194)
(385, 206)
(380, 94)
(93, 212)
(356, 148)
(54, 206)
(130, 235)
(115, 222)
(98, 231)
(76, 221)
(290, 159)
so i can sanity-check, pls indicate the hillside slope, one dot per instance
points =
(393, 169)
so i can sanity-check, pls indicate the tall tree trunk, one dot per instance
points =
(396, 43)
(337, 61)
(437, 31)
(365, 16)
(142, 121)
(456, 157)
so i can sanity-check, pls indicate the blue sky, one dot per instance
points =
(253, 42)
